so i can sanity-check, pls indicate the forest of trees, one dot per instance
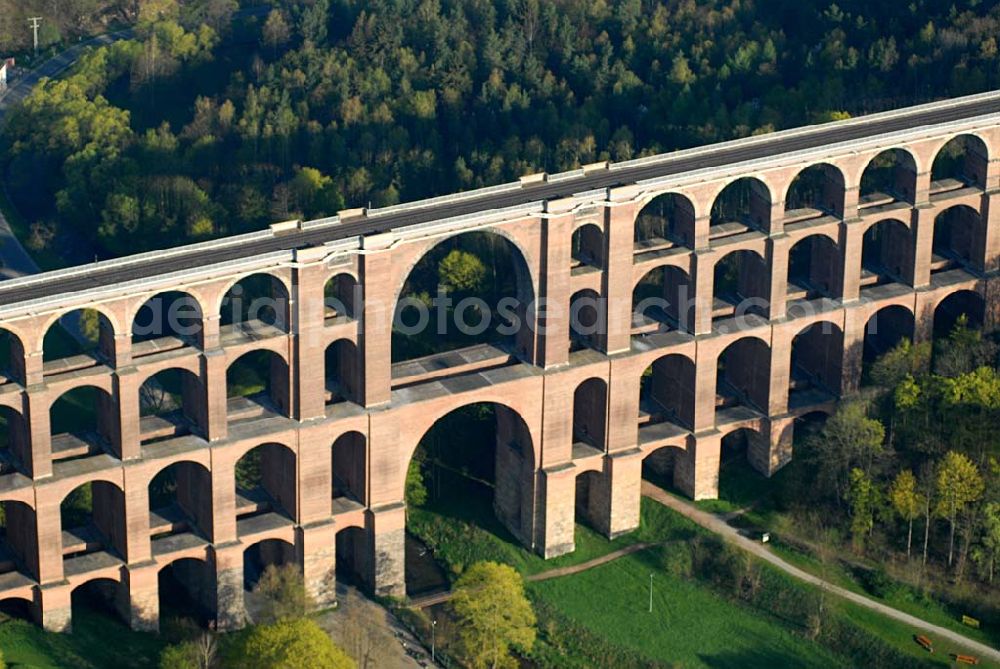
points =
(204, 125)
(912, 466)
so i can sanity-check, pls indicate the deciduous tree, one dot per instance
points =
(494, 615)
(959, 483)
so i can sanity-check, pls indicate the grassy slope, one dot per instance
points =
(689, 625)
(97, 641)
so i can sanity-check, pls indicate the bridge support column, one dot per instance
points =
(778, 249)
(923, 245)
(317, 547)
(142, 585)
(990, 210)
(771, 451)
(307, 327)
(387, 529)
(375, 335)
(554, 319)
(620, 232)
(852, 243)
(56, 607)
(127, 420)
(618, 494)
(230, 612)
(50, 557)
(223, 530)
(703, 267)
(137, 541)
(214, 379)
(696, 470)
(37, 406)
(557, 522)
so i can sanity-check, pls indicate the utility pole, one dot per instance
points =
(35, 21)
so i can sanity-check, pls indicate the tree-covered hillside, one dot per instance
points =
(192, 131)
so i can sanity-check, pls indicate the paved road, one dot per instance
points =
(817, 136)
(717, 525)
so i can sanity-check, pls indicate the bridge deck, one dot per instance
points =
(725, 154)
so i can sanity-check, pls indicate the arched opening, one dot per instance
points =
(186, 590)
(14, 446)
(101, 601)
(352, 556)
(667, 393)
(11, 358)
(79, 339)
(817, 365)
(959, 239)
(586, 320)
(588, 506)
(172, 403)
(808, 425)
(741, 285)
(743, 377)
(257, 385)
(476, 465)
(667, 221)
(180, 501)
(256, 559)
(590, 409)
(587, 249)
(661, 467)
(83, 423)
(341, 298)
(743, 205)
(886, 254)
(18, 609)
(18, 538)
(343, 372)
(265, 483)
(165, 322)
(886, 328)
(93, 520)
(349, 465)
(961, 162)
(489, 289)
(816, 191)
(663, 300)
(814, 268)
(737, 475)
(257, 306)
(889, 177)
(962, 303)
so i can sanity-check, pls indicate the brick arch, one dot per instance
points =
(185, 364)
(755, 182)
(940, 297)
(869, 223)
(237, 452)
(911, 160)
(829, 167)
(84, 383)
(153, 473)
(223, 289)
(417, 251)
(643, 200)
(984, 145)
(728, 430)
(679, 262)
(428, 419)
(113, 321)
(136, 305)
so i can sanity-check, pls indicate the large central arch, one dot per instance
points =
(472, 268)
(477, 454)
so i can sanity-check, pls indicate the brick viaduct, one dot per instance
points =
(873, 230)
